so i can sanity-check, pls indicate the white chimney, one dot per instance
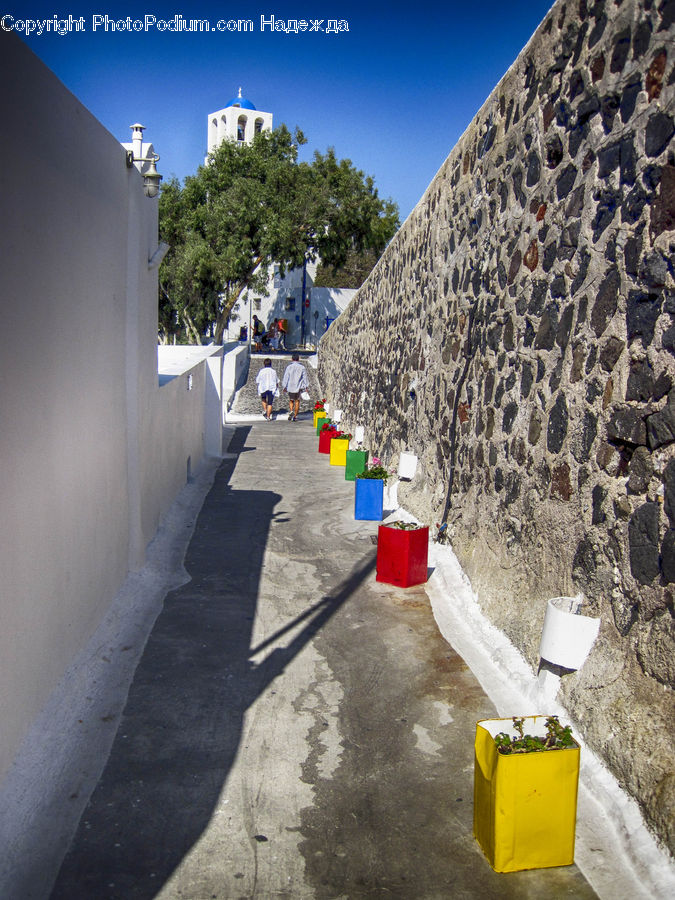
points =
(137, 143)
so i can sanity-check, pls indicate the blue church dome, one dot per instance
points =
(241, 102)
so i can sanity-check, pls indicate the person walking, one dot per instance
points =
(258, 331)
(294, 382)
(282, 334)
(267, 381)
(272, 336)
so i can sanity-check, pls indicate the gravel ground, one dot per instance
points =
(248, 403)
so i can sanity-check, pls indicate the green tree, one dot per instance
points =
(351, 274)
(253, 205)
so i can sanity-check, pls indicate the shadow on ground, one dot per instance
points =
(182, 724)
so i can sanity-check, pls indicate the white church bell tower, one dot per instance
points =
(239, 121)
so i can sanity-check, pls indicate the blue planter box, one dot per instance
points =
(369, 499)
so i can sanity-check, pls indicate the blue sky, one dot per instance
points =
(393, 93)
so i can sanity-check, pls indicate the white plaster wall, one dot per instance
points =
(235, 372)
(175, 361)
(75, 242)
(327, 302)
(175, 435)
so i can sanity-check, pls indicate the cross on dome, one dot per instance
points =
(241, 102)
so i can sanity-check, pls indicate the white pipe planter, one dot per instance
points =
(407, 465)
(567, 636)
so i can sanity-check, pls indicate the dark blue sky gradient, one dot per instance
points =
(393, 94)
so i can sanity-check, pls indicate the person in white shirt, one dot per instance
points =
(295, 381)
(267, 381)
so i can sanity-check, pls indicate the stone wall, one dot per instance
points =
(518, 336)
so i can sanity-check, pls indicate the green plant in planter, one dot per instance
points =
(557, 738)
(404, 526)
(375, 472)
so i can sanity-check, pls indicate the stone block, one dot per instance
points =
(643, 542)
(642, 311)
(583, 438)
(550, 256)
(605, 302)
(561, 487)
(609, 107)
(654, 270)
(598, 494)
(658, 133)
(565, 181)
(661, 425)
(608, 159)
(557, 425)
(643, 33)
(623, 508)
(578, 358)
(668, 556)
(584, 564)
(610, 353)
(620, 51)
(629, 99)
(663, 209)
(627, 426)
(640, 471)
(655, 73)
(608, 201)
(640, 384)
(534, 430)
(631, 254)
(531, 258)
(669, 491)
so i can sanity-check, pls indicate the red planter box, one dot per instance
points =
(325, 437)
(402, 556)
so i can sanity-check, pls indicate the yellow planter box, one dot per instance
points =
(319, 414)
(338, 451)
(524, 804)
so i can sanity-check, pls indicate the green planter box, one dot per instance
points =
(357, 460)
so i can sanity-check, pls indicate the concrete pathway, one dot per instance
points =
(294, 728)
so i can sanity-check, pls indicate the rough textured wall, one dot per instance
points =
(518, 335)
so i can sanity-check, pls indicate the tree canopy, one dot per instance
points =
(253, 205)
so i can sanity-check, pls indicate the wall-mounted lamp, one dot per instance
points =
(151, 177)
